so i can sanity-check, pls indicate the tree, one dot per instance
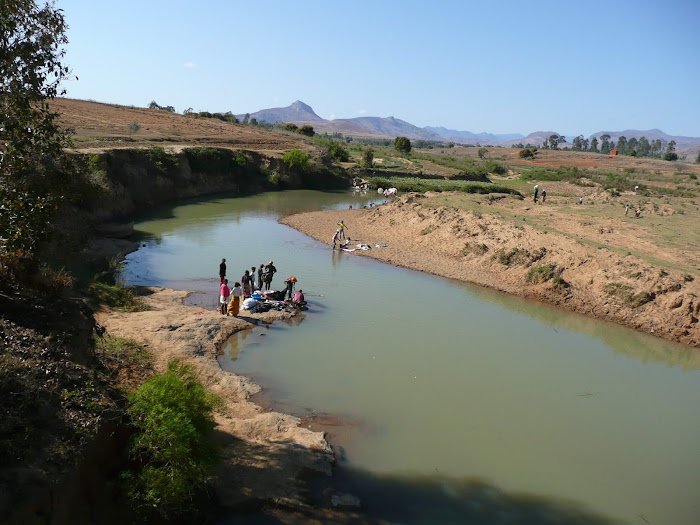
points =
(253, 121)
(622, 145)
(36, 175)
(643, 147)
(526, 154)
(671, 147)
(631, 147)
(307, 130)
(554, 141)
(368, 158)
(594, 145)
(605, 144)
(577, 143)
(402, 144)
(482, 152)
(246, 118)
(697, 159)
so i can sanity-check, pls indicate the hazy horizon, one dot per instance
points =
(461, 65)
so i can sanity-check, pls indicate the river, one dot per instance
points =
(465, 402)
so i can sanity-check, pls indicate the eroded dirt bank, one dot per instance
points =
(265, 453)
(422, 233)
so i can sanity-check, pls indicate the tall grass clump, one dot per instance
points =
(172, 451)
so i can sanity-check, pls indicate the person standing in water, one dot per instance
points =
(268, 272)
(290, 282)
(222, 271)
(336, 236)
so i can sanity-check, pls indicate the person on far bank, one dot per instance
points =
(252, 279)
(235, 305)
(537, 189)
(224, 292)
(341, 229)
(544, 196)
(222, 271)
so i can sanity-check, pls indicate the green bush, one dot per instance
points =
(402, 144)
(482, 152)
(670, 155)
(526, 154)
(367, 158)
(172, 449)
(540, 274)
(335, 149)
(307, 130)
(296, 159)
(493, 166)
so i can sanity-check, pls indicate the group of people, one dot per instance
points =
(245, 288)
(537, 192)
(339, 235)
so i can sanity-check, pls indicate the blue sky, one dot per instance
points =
(498, 66)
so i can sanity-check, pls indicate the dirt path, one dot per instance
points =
(424, 232)
(265, 453)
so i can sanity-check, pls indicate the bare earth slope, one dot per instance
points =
(98, 125)
(437, 234)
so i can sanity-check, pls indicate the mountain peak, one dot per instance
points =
(301, 106)
(298, 111)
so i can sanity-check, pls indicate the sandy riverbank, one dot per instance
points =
(265, 453)
(426, 233)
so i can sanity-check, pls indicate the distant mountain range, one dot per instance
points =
(390, 127)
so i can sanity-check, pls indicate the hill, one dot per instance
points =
(393, 127)
(467, 137)
(109, 125)
(296, 112)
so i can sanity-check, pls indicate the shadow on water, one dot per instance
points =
(382, 498)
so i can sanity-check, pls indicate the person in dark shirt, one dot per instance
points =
(260, 276)
(222, 271)
(268, 272)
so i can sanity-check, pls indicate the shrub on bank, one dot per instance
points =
(172, 450)
(296, 160)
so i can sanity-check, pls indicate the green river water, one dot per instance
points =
(468, 403)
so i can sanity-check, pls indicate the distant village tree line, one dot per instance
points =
(633, 147)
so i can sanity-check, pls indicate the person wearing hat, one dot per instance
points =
(290, 282)
(268, 272)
